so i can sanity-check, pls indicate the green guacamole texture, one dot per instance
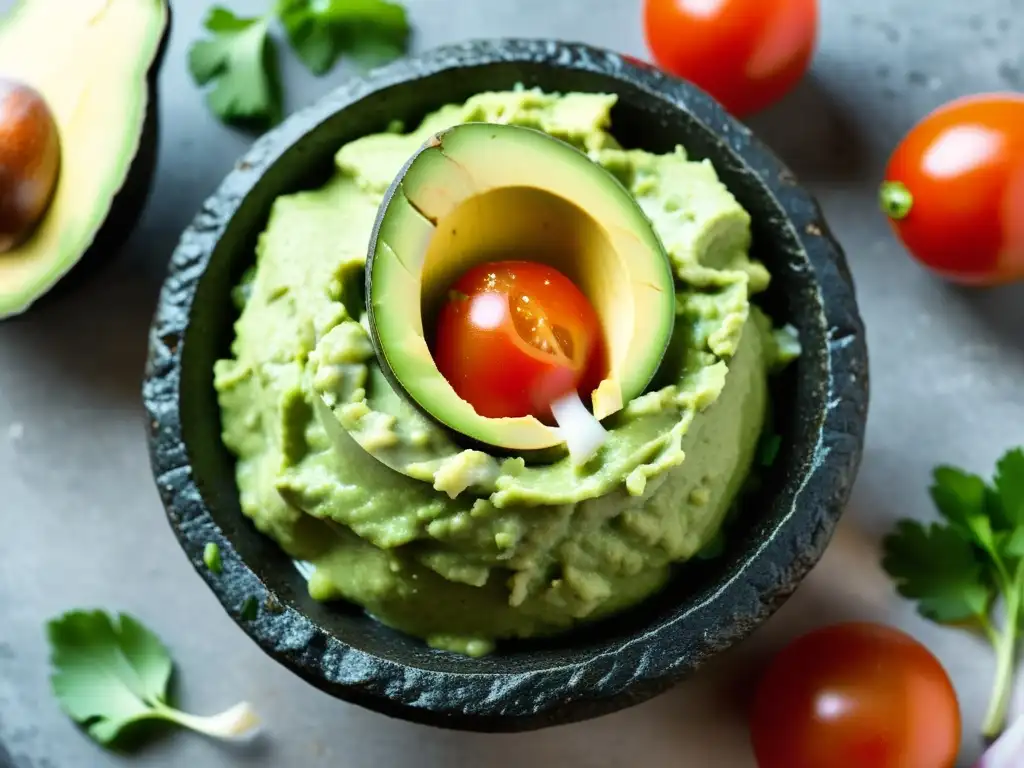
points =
(453, 545)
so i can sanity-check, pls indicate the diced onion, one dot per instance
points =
(579, 428)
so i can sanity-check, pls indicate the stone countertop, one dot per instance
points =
(82, 524)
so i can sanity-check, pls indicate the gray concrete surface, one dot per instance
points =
(80, 523)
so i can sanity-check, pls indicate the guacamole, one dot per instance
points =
(454, 545)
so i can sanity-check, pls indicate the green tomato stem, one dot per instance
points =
(895, 200)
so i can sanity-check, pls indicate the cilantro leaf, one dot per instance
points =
(939, 569)
(310, 37)
(240, 63)
(321, 31)
(106, 676)
(222, 20)
(958, 569)
(962, 499)
(110, 674)
(1009, 486)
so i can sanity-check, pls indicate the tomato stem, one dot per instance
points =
(895, 200)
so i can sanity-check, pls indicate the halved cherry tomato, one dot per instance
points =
(855, 695)
(748, 54)
(514, 336)
(954, 190)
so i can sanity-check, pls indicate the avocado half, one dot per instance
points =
(95, 64)
(480, 192)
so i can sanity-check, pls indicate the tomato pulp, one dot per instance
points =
(855, 695)
(954, 190)
(514, 336)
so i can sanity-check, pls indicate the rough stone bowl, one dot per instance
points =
(822, 409)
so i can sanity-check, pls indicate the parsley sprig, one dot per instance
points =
(238, 61)
(110, 674)
(960, 569)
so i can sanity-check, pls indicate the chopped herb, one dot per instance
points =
(109, 674)
(250, 608)
(959, 568)
(211, 556)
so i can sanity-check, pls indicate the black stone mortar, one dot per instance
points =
(821, 410)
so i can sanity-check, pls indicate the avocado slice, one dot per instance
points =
(94, 62)
(481, 192)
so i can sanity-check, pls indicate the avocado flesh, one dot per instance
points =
(483, 192)
(90, 60)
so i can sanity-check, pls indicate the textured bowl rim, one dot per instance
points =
(520, 700)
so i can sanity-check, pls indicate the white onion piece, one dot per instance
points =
(579, 428)
(1008, 750)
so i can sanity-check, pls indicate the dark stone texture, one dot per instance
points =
(130, 201)
(821, 412)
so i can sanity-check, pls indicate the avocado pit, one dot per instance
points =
(30, 156)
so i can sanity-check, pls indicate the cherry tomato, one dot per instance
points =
(855, 695)
(748, 54)
(954, 190)
(516, 335)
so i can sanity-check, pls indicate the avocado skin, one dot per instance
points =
(821, 412)
(130, 201)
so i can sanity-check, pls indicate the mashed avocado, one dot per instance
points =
(462, 548)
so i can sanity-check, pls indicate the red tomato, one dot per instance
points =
(748, 54)
(954, 190)
(516, 335)
(855, 696)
